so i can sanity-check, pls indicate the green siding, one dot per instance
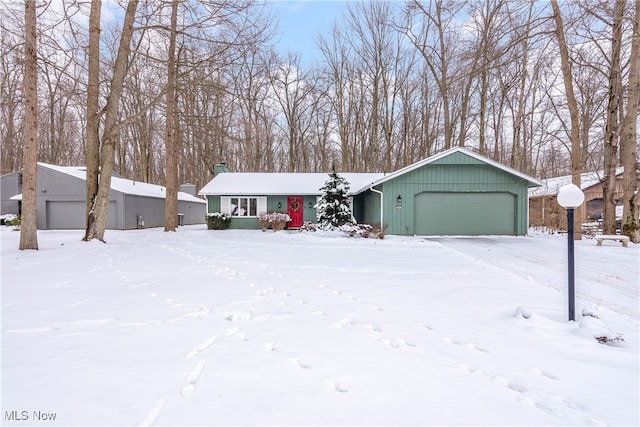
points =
(213, 205)
(310, 214)
(240, 223)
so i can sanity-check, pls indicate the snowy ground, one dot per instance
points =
(229, 327)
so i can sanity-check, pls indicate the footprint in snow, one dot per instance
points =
(345, 323)
(265, 292)
(397, 343)
(371, 327)
(193, 378)
(465, 344)
(424, 326)
(237, 332)
(544, 374)
(333, 384)
(155, 412)
(267, 345)
(201, 312)
(200, 347)
(301, 363)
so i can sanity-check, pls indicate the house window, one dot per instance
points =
(243, 206)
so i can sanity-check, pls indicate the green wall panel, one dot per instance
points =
(457, 173)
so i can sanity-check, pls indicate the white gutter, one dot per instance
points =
(381, 206)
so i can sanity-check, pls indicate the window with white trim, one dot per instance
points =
(243, 206)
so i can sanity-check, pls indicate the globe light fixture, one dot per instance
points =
(570, 197)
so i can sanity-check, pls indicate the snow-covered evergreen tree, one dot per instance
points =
(333, 206)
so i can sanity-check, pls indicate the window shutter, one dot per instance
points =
(224, 204)
(262, 205)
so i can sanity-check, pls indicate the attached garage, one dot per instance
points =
(465, 214)
(456, 192)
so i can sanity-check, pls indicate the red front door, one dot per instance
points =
(295, 211)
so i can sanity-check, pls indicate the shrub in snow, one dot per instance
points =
(333, 207)
(591, 326)
(614, 341)
(362, 230)
(273, 220)
(218, 221)
(309, 226)
(10, 219)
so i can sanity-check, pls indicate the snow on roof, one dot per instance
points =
(551, 186)
(532, 181)
(239, 184)
(124, 185)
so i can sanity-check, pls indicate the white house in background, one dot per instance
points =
(132, 204)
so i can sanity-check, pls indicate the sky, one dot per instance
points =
(243, 327)
(300, 22)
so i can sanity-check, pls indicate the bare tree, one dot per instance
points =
(171, 149)
(293, 88)
(337, 55)
(629, 140)
(11, 103)
(574, 136)
(612, 131)
(92, 139)
(435, 42)
(28, 226)
(97, 218)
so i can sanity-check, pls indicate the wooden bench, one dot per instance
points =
(614, 237)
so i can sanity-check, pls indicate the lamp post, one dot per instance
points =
(570, 197)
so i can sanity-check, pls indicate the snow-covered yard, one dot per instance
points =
(231, 327)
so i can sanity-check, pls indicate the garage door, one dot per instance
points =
(71, 215)
(465, 214)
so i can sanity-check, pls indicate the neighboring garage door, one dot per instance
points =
(465, 214)
(71, 215)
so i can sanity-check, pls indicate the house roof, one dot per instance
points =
(241, 184)
(551, 186)
(126, 186)
(532, 182)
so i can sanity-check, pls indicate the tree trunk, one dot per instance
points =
(629, 139)
(171, 170)
(28, 223)
(573, 114)
(92, 147)
(110, 134)
(612, 131)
